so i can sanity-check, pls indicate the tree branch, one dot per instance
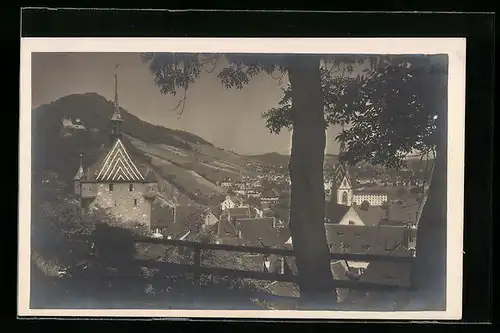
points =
(180, 106)
(279, 78)
(211, 60)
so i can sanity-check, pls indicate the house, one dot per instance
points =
(234, 213)
(269, 196)
(342, 189)
(254, 232)
(253, 193)
(384, 239)
(375, 198)
(190, 221)
(116, 181)
(232, 202)
(351, 229)
(163, 214)
(211, 216)
(258, 212)
(239, 185)
(353, 215)
(226, 183)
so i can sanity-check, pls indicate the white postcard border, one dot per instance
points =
(454, 47)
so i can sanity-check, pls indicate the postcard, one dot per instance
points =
(315, 178)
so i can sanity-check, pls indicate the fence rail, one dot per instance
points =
(197, 269)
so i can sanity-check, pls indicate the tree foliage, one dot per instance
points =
(365, 205)
(388, 109)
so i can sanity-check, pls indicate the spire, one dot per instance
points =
(79, 174)
(341, 171)
(116, 119)
(342, 151)
(116, 115)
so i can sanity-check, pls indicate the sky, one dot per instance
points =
(230, 119)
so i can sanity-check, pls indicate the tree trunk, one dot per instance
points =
(430, 266)
(307, 206)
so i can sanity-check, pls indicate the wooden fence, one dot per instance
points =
(197, 269)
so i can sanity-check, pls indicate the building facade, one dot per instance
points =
(375, 199)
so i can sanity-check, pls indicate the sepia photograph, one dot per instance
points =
(244, 178)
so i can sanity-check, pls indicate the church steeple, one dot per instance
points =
(342, 152)
(341, 189)
(79, 174)
(116, 119)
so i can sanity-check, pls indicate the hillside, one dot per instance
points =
(78, 124)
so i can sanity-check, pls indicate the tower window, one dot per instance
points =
(130, 187)
(135, 202)
(110, 187)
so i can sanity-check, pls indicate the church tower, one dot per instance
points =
(341, 187)
(115, 182)
(78, 177)
(116, 119)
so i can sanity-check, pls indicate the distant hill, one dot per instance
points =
(275, 159)
(278, 159)
(79, 123)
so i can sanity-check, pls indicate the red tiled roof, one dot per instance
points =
(226, 231)
(237, 212)
(270, 194)
(404, 212)
(380, 240)
(162, 213)
(335, 212)
(388, 272)
(259, 232)
(372, 216)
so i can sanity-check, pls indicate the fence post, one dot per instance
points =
(197, 265)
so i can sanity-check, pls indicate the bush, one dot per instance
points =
(365, 205)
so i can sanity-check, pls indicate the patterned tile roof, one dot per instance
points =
(117, 165)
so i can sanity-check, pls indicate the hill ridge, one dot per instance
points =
(186, 161)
